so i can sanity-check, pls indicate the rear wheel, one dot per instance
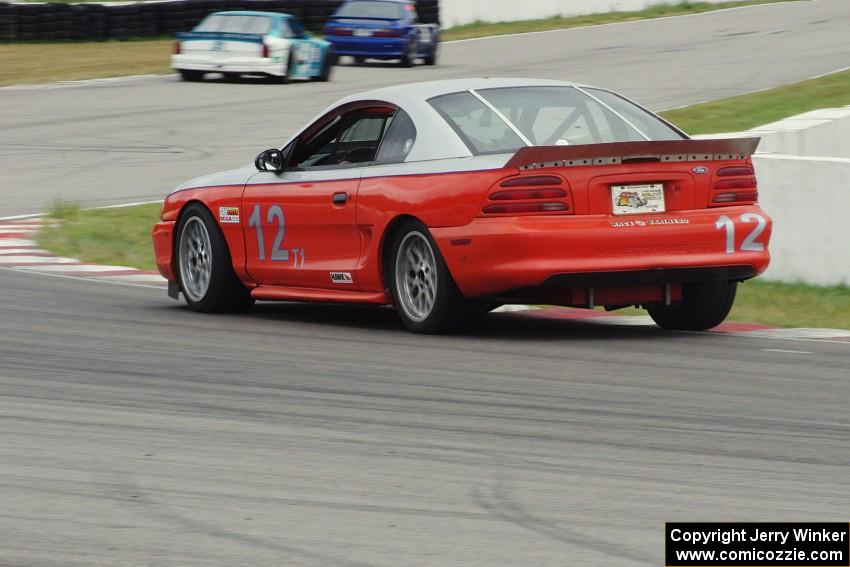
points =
(409, 58)
(424, 293)
(327, 66)
(431, 59)
(204, 266)
(359, 60)
(189, 75)
(704, 305)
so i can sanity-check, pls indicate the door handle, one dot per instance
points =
(340, 198)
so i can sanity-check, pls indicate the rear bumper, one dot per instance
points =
(378, 47)
(259, 65)
(492, 256)
(652, 276)
(163, 248)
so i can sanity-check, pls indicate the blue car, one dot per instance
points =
(382, 29)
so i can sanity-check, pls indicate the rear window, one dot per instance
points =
(371, 9)
(235, 24)
(547, 116)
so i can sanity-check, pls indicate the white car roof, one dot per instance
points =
(435, 138)
(429, 89)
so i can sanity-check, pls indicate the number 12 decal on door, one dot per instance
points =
(749, 244)
(278, 254)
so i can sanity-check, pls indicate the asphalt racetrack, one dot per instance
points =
(137, 433)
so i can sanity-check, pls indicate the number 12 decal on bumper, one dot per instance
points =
(749, 244)
(278, 254)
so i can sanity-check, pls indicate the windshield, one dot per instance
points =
(231, 23)
(506, 119)
(371, 9)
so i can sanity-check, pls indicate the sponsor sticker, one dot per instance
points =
(228, 215)
(649, 222)
(342, 278)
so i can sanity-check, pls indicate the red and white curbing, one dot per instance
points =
(18, 251)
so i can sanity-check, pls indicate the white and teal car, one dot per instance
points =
(252, 43)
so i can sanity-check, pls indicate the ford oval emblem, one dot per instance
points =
(700, 170)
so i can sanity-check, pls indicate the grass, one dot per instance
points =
(786, 305)
(114, 237)
(42, 62)
(121, 237)
(484, 29)
(793, 305)
(743, 112)
(33, 63)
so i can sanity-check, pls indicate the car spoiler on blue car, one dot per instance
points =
(534, 157)
(363, 18)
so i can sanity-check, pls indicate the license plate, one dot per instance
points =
(636, 199)
(363, 33)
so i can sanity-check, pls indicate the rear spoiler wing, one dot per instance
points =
(363, 18)
(222, 36)
(535, 157)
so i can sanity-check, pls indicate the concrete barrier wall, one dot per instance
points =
(809, 200)
(820, 133)
(460, 12)
(803, 168)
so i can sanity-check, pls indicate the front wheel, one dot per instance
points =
(704, 305)
(424, 293)
(204, 267)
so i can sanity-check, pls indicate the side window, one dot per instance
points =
(401, 134)
(479, 127)
(285, 31)
(349, 139)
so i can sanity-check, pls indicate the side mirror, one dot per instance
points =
(270, 160)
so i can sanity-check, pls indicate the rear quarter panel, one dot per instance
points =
(436, 199)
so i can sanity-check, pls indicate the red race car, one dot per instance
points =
(448, 198)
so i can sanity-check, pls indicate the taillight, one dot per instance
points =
(388, 32)
(735, 171)
(736, 198)
(177, 47)
(533, 194)
(338, 31)
(517, 208)
(737, 186)
(265, 51)
(521, 194)
(727, 184)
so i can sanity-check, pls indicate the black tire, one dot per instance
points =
(431, 59)
(284, 79)
(448, 307)
(704, 305)
(327, 67)
(359, 60)
(409, 57)
(189, 75)
(230, 77)
(223, 292)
